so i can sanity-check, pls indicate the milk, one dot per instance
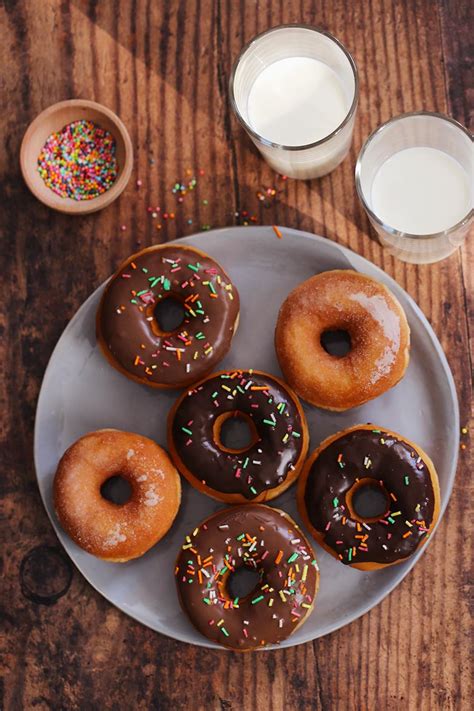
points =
(292, 87)
(296, 101)
(421, 191)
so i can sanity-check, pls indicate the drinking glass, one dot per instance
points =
(418, 129)
(315, 159)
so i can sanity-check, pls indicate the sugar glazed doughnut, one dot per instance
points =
(261, 539)
(116, 533)
(342, 300)
(277, 450)
(130, 334)
(368, 456)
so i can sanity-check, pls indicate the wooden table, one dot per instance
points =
(164, 67)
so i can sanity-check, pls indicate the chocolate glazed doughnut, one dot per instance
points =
(129, 332)
(257, 538)
(402, 474)
(274, 457)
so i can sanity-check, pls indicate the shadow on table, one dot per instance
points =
(194, 59)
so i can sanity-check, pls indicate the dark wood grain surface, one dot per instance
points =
(164, 67)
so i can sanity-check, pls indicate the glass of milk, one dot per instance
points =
(415, 178)
(295, 90)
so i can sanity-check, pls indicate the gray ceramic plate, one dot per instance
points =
(81, 392)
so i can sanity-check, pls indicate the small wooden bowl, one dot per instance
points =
(54, 119)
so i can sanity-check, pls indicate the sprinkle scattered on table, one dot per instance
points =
(195, 181)
(79, 161)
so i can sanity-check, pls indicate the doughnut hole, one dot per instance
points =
(368, 500)
(336, 342)
(166, 316)
(242, 582)
(234, 432)
(116, 489)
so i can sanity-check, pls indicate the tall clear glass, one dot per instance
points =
(312, 160)
(414, 130)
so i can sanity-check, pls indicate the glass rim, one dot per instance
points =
(387, 228)
(325, 139)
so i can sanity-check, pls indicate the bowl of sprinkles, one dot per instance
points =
(76, 156)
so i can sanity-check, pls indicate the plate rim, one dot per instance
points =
(407, 566)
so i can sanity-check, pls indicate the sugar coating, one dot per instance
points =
(158, 472)
(110, 531)
(378, 330)
(152, 498)
(389, 321)
(115, 536)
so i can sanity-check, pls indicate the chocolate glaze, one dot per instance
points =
(256, 536)
(379, 456)
(277, 421)
(131, 334)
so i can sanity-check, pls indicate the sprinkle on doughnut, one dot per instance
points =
(265, 541)
(131, 335)
(278, 429)
(403, 475)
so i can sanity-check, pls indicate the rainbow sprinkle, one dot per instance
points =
(79, 162)
(261, 399)
(288, 591)
(408, 520)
